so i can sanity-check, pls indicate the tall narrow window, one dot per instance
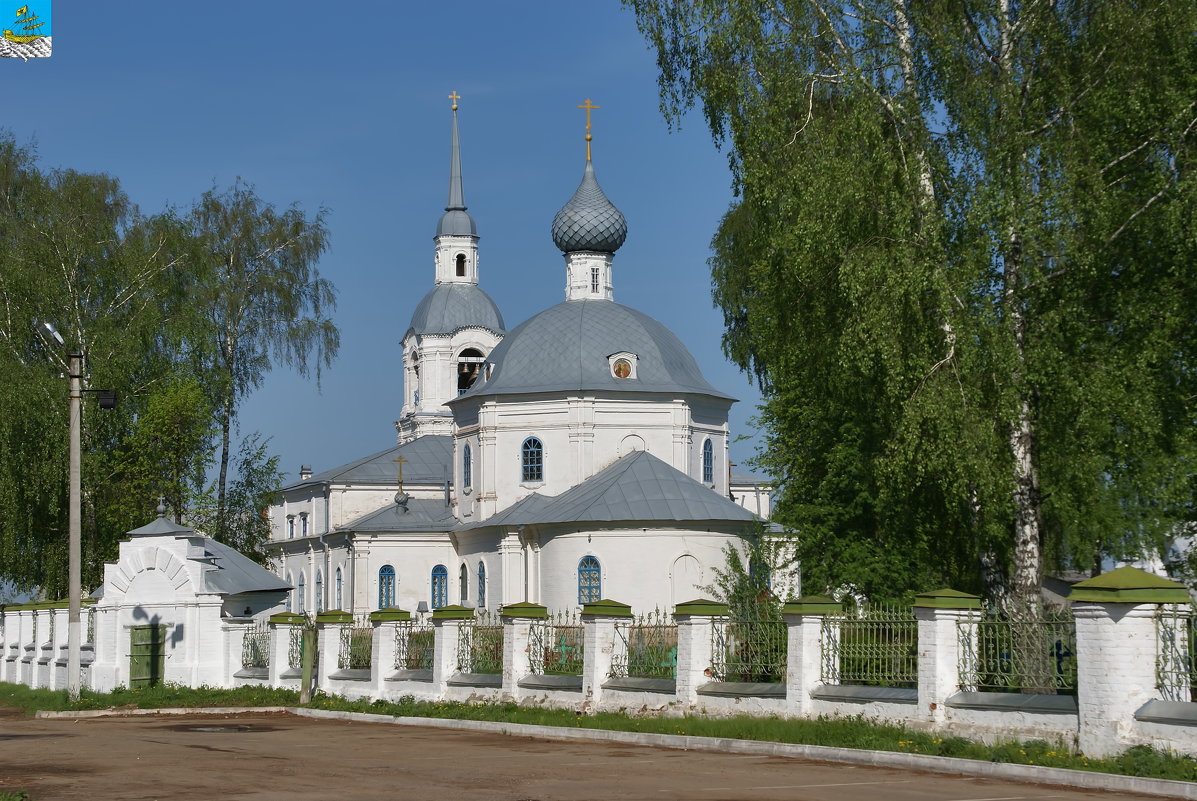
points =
(463, 585)
(386, 587)
(590, 580)
(461, 265)
(708, 462)
(532, 460)
(440, 586)
(467, 467)
(339, 586)
(594, 280)
(481, 585)
(319, 600)
(303, 524)
(290, 595)
(300, 595)
(290, 526)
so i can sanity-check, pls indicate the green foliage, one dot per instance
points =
(150, 301)
(959, 269)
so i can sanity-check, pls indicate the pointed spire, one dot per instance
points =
(456, 221)
(456, 193)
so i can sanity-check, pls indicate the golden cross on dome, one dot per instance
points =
(588, 106)
(454, 97)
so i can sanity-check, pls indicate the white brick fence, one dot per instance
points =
(1125, 680)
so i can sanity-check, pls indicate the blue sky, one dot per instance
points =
(345, 106)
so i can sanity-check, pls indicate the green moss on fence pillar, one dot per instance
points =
(287, 619)
(1129, 585)
(334, 616)
(390, 615)
(607, 608)
(813, 605)
(701, 606)
(524, 609)
(453, 612)
(946, 599)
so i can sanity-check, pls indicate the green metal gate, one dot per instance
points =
(147, 655)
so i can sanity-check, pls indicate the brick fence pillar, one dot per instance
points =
(694, 655)
(518, 619)
(598, 633)
(1116, 652)
(447, 622)
(386, 624)
(804, 649)
(947, 621)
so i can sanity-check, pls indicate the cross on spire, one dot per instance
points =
(588, 106)
(454, 97)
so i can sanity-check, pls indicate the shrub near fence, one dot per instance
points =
(750, 645)
(414, 646)
(646, 648)
(480, 647)
(356, 645)
(1029, 653)
(1176, 638)
(874, 645)
(555, 645)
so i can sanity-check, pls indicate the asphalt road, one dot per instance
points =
(278, 756)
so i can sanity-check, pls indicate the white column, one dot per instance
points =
(598, 633)
(444, 656)
(804, 650)
(382, 646)
(280, 628)
(517, 626)
(943, 618)
(694, 623)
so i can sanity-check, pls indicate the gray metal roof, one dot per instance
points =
(232, 572)
(522, 512)
(228, 571)
(741, 477)
(566, 348)
(423, 514)
(637, 488)
(449, 307)
(456, 221)
(427, 458)
(589, 221)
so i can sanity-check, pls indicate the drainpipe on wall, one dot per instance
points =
(328, 578)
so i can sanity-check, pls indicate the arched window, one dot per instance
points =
(532, 460)
(467, 467)
(290, 595)
(708, 462)
(386, 587)
(440, 586)
(319, 592)
(300, 592)
(481, 585)
(463, 585)
(338, 585)
(290, 526)
(469, 365)
(590, 580)
(461, 265)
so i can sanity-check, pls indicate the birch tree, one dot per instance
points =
(959, 267)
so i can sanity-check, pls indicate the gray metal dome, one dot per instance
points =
(589, 221)
(449, 307)
(456, 222)
(566, 348)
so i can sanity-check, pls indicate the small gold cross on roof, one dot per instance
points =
(454, 97)
(588, 106)
(400, 461)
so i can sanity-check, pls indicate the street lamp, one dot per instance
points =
(74, 577)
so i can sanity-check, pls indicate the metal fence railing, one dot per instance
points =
(295, 648)
(255, 647)
(413, 646)
(749, 645)
(874, 645)
(645, 647)
(480, 646)
(356, 645)
(556, 646)
(1028, 653)
(1176, 638)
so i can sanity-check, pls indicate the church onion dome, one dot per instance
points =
(589, 221)
(569, 348)
(449, 307)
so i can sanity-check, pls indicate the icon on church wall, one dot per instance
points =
(28, 34)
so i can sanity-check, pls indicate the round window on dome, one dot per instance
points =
(622, 368)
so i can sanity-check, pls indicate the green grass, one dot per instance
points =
(19, 795)
(855, 732)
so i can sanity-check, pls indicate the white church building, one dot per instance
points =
(580, 455)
